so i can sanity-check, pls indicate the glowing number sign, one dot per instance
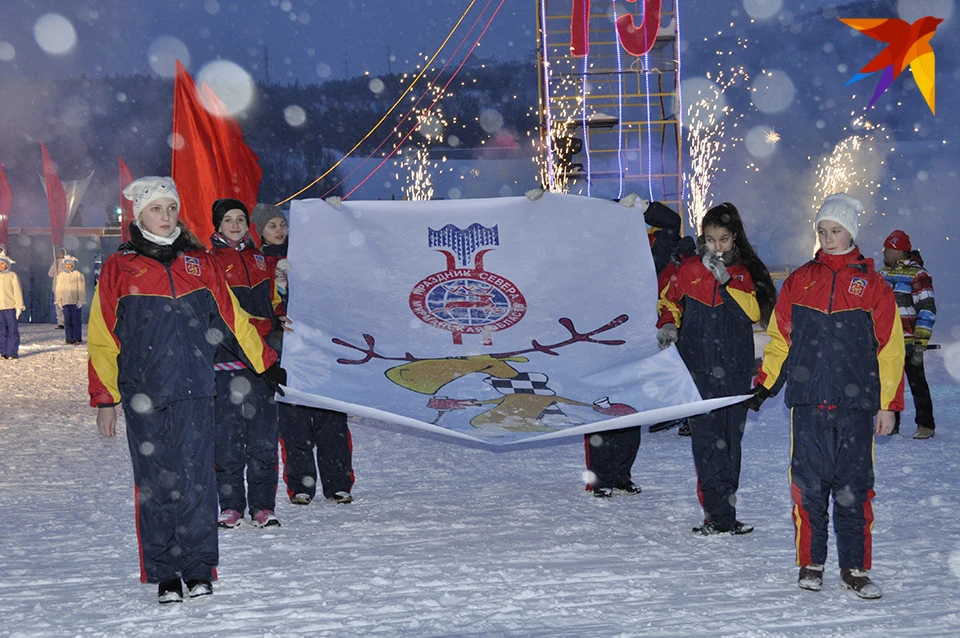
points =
(637, 40)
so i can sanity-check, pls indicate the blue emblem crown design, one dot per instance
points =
(464, 242)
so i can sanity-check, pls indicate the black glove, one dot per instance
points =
(760, 394)
(275, 376)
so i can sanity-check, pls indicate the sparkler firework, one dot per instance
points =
(707, 118)
(855, 163)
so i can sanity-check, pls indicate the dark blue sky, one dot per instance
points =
(307, 40)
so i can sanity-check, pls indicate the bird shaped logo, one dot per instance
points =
(907, 44)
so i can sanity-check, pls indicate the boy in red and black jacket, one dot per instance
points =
(836, 340)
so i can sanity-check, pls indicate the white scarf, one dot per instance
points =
(157, 239)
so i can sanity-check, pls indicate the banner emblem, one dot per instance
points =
(465, 298)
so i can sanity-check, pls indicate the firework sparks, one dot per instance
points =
(771, 137)
(706, 136)
(852, 165)
(415, 164)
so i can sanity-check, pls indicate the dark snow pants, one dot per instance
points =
(171, 447)
(9, 334)
(247, 435)
(917, 379)
(71, 324)
(304, 430)
(715, 438)
(610, 456)
(832, 453)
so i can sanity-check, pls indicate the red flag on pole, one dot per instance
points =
(126, 206)
(5, 200)
(239, 167)
(210, 158)
(56, 197)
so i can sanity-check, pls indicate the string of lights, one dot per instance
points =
(437, 99)
(413, 110)
(389, 111)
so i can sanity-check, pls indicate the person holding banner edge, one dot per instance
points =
(313, 440)
(708, 309)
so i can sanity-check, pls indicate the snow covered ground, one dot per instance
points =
(446, 539)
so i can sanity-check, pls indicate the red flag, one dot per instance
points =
(126, 206)
(210, 158)
(56, 197)
(239, 167)
(5, 201)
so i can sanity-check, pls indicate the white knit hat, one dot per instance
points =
(843, 209)
(147, 189)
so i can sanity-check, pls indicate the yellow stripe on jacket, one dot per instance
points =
(890, 355)
(776, 352)
(747, 302)
(103, 349)
(238, 320)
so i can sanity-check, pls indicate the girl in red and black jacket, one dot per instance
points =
(158, 304)
(837, 340)
(708, 309)
(247, 426)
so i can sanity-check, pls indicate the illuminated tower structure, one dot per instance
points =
(610, 109)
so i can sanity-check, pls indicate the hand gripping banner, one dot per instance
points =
(497, 320)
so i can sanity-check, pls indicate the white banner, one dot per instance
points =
(497, 320)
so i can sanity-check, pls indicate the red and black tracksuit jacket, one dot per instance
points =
(153, 333)
(715, 324)
(250, 276)
(837, 341)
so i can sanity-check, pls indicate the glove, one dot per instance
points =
(632, 200)
(760, 394)
(334, 201)
(714, 263)
(916, 359)
(275, 376)
(534, 194)
(284, 264)
(667, 335)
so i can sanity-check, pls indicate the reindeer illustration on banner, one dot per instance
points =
(526, 402)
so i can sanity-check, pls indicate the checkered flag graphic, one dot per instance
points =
(523, 383)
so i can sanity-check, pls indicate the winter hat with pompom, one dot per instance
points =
(262, 214)
(5, 262)
(72, 261)
(843, 209)
(148, 189)
(223, 206)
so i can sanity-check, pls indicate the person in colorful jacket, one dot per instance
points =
(246, 411)
(708, 308)
(913, 287)
(836, 340)
(11, 305)
(71, 293)
(314, 441)
(160, 306)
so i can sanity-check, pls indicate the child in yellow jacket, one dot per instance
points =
(71, 293)
(11, 305)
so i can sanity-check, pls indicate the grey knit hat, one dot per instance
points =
(263, 213)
